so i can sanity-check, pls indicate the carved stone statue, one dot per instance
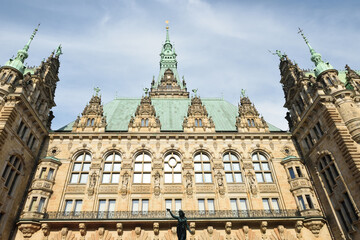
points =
(189, 183)
(46, 231)
(157, 184)
(124, 184)
(156, 227)
(252, 183)
(220, 181)
(82, 230)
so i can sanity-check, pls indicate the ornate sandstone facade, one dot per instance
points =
(112, 173)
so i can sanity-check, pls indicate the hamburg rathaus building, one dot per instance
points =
(113, 171)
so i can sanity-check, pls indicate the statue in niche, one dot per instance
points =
(189, 183)
(182, 224)
(92, 183)
(125, 180)
(157, 184)
(252, 183)
(220, 182)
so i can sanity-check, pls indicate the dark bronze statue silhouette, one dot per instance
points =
(182, 224)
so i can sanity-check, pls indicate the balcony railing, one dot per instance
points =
(191, 215)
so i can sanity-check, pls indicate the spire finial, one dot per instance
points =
(167, 31)
(26, 47)
(301, 32)
(97, 90)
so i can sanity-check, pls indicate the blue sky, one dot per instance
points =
(222, 46)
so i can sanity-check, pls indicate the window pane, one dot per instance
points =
(74, 178)
(83, 178)
(177, 168)
(266, 204)
(205, 158)
(78, 205)
(197, 157)
(115, 178)
(138, 167)
(86, 167)
(211, 205)
(117, 158)
(117, 167)
(301, 202)
(262, 157)
(167, 168)
(229, 177)
(135, 205)
(198, 177)
(109, 158)
(227, 166)
(106, 178)
(275, 204)
(201, 203)
(42, 173)
(259, 177)
(139, 158)
(233, 204)
(50, 174)
(236, 166)
(207, 177)
(168, 177)
(102, 205)
(111, 207)
(226, 157)
(146, 177)
(257, 166)
(145, 206)
(147, 158)
(238, 177)
(108, 167)
(80, 157)
(197, 167)
(255, 157)
(147, 167)
(243, 204)
(177, 204)
(87, 158)
(265, 166)
(177, 177)
(41, 204)
(291, 172)
(77, 167)
(268, 177)
(168, 204)
(68, 205)
(207, 167)
(137, 177)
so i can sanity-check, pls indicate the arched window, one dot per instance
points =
(9, 78)
(81, 168)
(147, 122)
(232, 168)
(92, 122)
(12, 172)
(200, 123)
(196, 122)
(202, 168)
(3, 76)
(252, 123)
(330, 81)
(172, 168)
(142, 168)
(88, 122)
(249, 122)
(112, 167)
(262, 168)
(143, 122)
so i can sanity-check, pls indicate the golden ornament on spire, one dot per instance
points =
(167, 22)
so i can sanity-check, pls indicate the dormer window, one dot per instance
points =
(9, 78)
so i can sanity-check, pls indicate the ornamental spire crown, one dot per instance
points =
(320, 65)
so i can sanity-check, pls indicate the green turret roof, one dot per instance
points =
(320, 65)
(168, 60)
(171, 113)
(22, 54)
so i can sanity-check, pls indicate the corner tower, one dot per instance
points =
(168, 84)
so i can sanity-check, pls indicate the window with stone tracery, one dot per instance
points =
(12, 172)
(262, 168)
(232, 168)
(142, 168)
(81, 168)
(172, 168)
(112, 167)
(202, 168)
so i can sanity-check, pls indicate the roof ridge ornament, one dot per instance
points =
(282, 56)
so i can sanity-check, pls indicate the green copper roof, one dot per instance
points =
(22, 54)
(320, 65)
(289, 157)
(341, 75)
(168, 60)
(171, 113)
(52, 158)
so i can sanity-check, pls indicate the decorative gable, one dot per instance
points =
(197, 119)
(248, 119)
(92, 119)
(352, 79)
(169, 87)
(145, 119)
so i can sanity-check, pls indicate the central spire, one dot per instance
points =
(168, 83)
(320, 65)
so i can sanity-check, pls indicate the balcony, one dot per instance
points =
(163, 215)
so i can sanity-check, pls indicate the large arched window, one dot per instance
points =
(172, 168)
(232, 168)
(112, 167)
(142, 168)
(81, 168)
(328, 172)
(12, 172)
(202, 168)
(262, 168)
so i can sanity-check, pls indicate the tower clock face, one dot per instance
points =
(168, 77)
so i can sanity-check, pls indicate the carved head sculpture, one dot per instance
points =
(192, 227)
(228, 226)
(298, 226)
(173, 230)
(82, 229)
(45, 229)
(246, 229)
(263, 226)
(64, 231)
(101, 231)
(138, 231)
(119, 229)
(156, 228)
(281, 229)
(210, 230)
